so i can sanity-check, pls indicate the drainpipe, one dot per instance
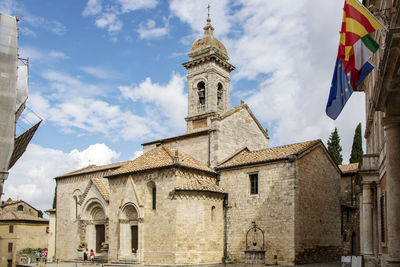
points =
(225, 229)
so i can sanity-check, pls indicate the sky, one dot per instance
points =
(106, 76)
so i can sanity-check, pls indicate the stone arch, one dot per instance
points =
(129, 230)
(129, 211)
(220, 94)
(95, 226)
(201, 91)
(76, 195)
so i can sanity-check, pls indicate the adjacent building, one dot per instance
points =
(21, 228)
(379, 171)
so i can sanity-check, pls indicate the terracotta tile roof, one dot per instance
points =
(102, 188)
(245, 156)
(178, 137)
(159, 157)
(349, 168)
(198, 184)
(21, 143)
(92, 168)
(16, 216)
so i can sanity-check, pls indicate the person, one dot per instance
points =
(37, 257)
(44, 255)
(91, 256)
(85, 255)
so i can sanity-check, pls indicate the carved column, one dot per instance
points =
(83, 243)
(392, 131)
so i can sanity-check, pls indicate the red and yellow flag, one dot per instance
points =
(357, 23)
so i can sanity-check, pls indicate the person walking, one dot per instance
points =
(85, 255)
(91, 256)
(37, 257)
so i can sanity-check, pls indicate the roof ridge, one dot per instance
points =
(169, 152)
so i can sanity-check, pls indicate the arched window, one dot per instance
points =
(154, 196)
(20, 207)
(213, 213)
(201, 91)
(219, 93)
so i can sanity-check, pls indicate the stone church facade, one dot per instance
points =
(215, 193)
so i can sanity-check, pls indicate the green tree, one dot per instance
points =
(55, 198)
(357, 150)
(334, 147)
(40, 213)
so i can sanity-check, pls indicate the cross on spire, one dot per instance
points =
(208, 15)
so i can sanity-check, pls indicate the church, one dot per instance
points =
(217, 193)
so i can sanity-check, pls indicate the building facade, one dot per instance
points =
(20, 228)
(379, 171)
(216, 193)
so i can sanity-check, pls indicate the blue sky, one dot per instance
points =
(107, 76)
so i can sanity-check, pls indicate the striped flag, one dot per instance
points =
(355, 49)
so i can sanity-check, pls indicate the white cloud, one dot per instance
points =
(57, 54)
(99, 72)
(109, 21)
(195, 14)
(170, 100)
(93, 7)
(8, 7)
(98, 154)
(150, 31)
(31, 179)
(40, 22)
(132, 5)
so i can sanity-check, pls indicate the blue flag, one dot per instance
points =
(341, 88)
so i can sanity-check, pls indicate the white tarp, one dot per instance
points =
(22, 90)
(8, 82)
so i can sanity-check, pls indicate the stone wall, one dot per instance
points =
(272, 209)
(195, 146)
(199, 228)
(234, 132)
(317, 208)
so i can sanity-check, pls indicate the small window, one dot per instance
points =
(11, 229)
(154, 193)
(347, 216)
(20, 207)
(253, 183)
(10, 247)
(213, 213)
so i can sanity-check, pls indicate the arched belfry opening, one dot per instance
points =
(201, 91)
(220, 91)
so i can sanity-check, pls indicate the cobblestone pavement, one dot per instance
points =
(73, 264)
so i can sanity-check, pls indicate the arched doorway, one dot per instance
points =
(129, 231)
(95, 222)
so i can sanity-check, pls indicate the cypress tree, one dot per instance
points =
(334, 147)
(55, 198)
(356, 150)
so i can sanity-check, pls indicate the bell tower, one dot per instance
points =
(208, 80)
